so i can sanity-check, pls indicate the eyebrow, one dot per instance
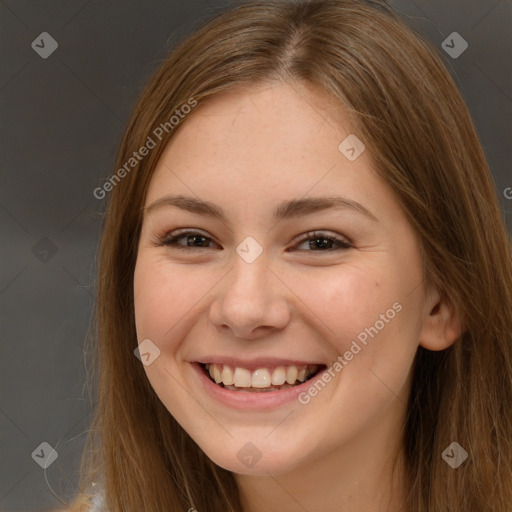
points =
(286, 210)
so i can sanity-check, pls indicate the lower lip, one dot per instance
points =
(251, 399)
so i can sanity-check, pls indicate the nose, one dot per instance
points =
(251, 301)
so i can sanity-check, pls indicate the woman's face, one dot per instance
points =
(245, 290)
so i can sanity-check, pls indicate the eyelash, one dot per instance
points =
(171, 240)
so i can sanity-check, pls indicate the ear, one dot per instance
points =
(441, 323)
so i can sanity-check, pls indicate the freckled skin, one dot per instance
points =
(247, 152)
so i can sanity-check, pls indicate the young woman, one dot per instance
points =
(305, 283)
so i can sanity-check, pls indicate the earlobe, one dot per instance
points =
(441, 325)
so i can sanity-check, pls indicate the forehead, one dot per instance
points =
(294, 115)
(274, 127)
(257, 146)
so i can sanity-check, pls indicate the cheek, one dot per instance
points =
(375, 322)
(370, 313)
(169, 298)
(346, 300)
(163, 296)
(162, 299)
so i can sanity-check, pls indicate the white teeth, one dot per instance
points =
(259, 390)
(279, 376)
(227, 375)
(216, 373)
(261, 378)
(291, 374)
(242, 378)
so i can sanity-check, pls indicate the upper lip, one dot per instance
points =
(257, 362)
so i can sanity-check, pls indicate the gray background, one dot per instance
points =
(61, 121)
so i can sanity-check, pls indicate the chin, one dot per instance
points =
(248, 459)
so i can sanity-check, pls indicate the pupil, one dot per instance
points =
(195, 238)
(316, 242)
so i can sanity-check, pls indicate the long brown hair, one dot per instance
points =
(417, 127)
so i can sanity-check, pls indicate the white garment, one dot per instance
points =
(98, 503)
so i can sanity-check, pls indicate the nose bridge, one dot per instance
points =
(249, 278)
(251, 296)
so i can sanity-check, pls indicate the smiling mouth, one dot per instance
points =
(261, 379)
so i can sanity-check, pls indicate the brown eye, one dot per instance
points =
(323, 242)
(318, 241)
(193, 239)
